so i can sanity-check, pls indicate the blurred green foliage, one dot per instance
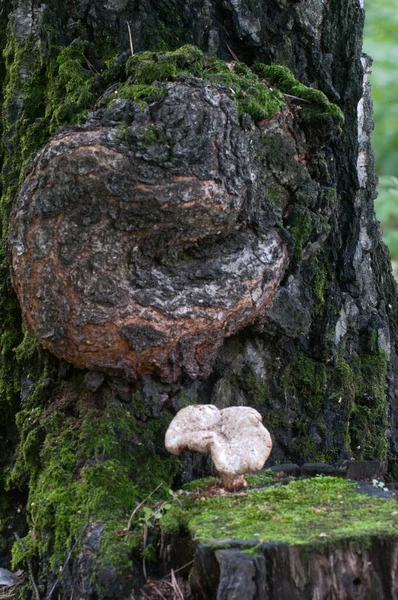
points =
(381, 42)
(387, 212)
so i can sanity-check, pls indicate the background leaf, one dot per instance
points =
(381, 42)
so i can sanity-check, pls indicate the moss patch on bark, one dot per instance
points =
(357, 383)
(86, 457)
(250, 88)
(323, 511)
(316, 103)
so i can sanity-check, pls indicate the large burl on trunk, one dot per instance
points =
(191, 224)
(135, 260)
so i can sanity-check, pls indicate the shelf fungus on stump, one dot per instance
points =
(235, 438)
(142, 239)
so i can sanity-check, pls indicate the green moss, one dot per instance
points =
(305, 382)
(18, 60)
(262, 478)
(319, 282)
(199, 484)
(274, 196)
(137, 93)
(250, 94)
(368, 421)
(313, 512)
(169, 31)
(282, 78)
(150, 553)
(28, 348)
(89, 467)
(147, 67)
(146, 136)
(356, 384)
(70, 86)
(310, 381)
(300, 225)
(360, 386)
(259, 102)
(256, 386)
(22, 362)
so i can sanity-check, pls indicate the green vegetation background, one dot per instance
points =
(381, 42)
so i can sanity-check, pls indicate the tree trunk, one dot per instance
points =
(340, 574)
(209, 237)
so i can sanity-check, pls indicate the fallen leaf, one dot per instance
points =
(120, 532)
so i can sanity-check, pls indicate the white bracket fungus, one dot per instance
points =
(235, 437)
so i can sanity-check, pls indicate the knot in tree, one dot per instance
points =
(142, 239)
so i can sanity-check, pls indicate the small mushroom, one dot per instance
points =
(235, 437)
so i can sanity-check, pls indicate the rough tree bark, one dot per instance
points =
(208, 237)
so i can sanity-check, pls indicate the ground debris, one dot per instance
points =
(170, 588)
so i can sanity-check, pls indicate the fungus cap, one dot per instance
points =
(235, 437)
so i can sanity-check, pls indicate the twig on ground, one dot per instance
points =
(176, 587)
(90, 66)
(159, 592)
(130, 38)
(140, 505)
(232, 53)
(144, 546)
(179, 569)
(161, 548)
(172, 586)
(177, 593)
(30, 570)
(296, 98)
(50, 593)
